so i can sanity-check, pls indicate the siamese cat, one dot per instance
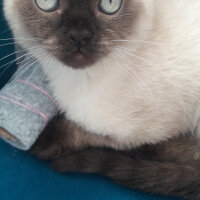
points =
(126, 76)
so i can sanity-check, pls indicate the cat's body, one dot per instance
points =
(145, 90)
(144, 96)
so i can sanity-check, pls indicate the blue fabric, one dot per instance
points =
(25, 178)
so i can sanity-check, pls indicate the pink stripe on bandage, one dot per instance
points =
(25, 102)
(39, 89)
(24, 106)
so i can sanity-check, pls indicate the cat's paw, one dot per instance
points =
(84, 161)
(49, 144)
(89, 160)
(68, 162)
(46, 152)
(46, 147)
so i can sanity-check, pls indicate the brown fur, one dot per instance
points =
(166, 178)
(56, 26)
(169, 168)
(61, 134)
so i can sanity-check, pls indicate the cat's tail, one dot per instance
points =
(166, 178)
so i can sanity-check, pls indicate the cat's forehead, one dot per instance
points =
(43, 24)
(31, 17)
(78, 3)
(89, 9)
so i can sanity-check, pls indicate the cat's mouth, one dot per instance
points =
(78, 59)
(78, 55)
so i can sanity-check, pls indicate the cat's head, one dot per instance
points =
(78, 33)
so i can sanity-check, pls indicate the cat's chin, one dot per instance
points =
(78, 61)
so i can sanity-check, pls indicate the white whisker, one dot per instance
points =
(131, 74)
(18, 57)
(17, 76)
(19, 52)
(22, 39)
(7, 44)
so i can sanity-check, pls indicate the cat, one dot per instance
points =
(125, 74)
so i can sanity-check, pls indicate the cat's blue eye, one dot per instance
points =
(110, 7)
(47, 5)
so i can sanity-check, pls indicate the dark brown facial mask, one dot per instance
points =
(80, 32)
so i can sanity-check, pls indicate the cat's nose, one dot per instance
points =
(79, 38)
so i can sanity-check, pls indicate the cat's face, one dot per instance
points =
(77, 32)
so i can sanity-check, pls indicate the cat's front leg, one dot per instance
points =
(50, 142)
(62, 135)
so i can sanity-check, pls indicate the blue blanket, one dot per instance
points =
(25, 178)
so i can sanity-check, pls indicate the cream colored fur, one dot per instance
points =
(145, 92)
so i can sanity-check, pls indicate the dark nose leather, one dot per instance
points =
(79, 38)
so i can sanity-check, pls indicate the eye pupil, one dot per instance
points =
(110, 7)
